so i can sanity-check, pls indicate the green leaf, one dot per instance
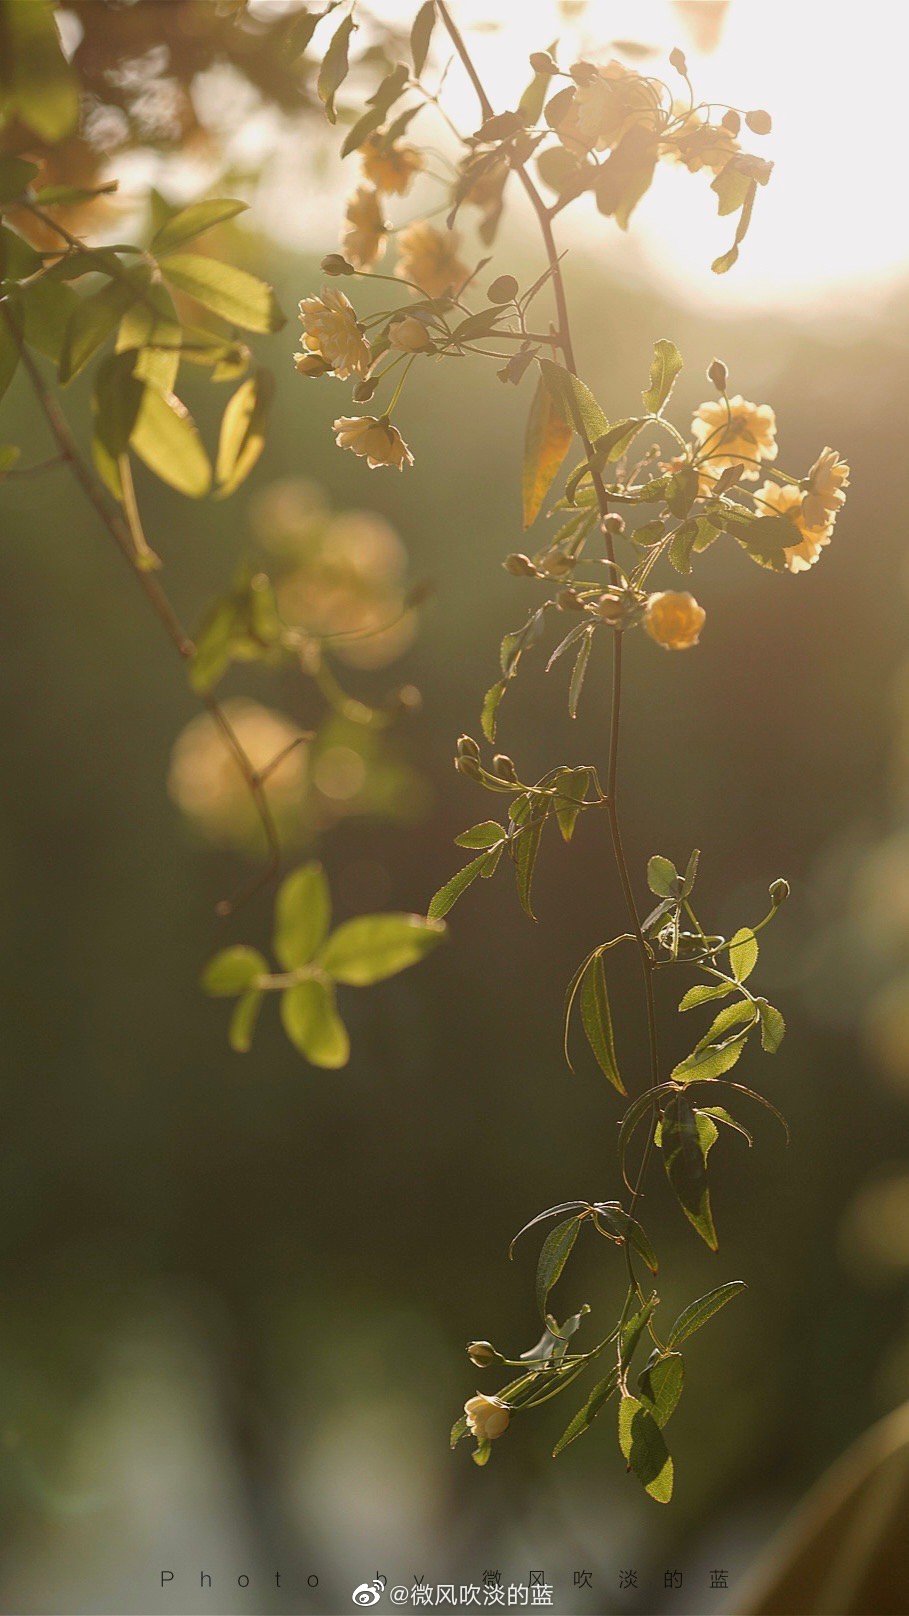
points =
(189, 222)
(697, 1313)
(166, 438)
(743, 953)
(313, 1025)
(626, 175)
(660, 1384)
(36, 81)
(662, 877)
(92, 321)
(47, 307)
(683, 1159)
(733, 1016)
(571, 788)
(157, 335)
(525, 848)
(9, 347)
(16, 175)
(773, 1027)
(490, 708)
(448, 895)
(243, 428)
(578, 672)
(243, 1021)
(117, 398)
(378, 107)
(706, 1063)
(458, 1431)
(624, 1227)
(596, 1019)
(703, 992)
(335, 67)
(233, 971)
(233, 294)
(664, 368)
(557, 1248)
(546, 443)
(633, 1329)
(719, 1114)
(302, 916)
(487, 835)
(575, 400)
(373, 947)
(682, 491)
(644, 1449)
(421, 35)
(585, 1416)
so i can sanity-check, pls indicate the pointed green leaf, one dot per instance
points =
(644, 1449)
(373, 947)
(575, 400)
(302, 916)
(633, 1329)
(705, 1064)
(243, 428)
(697, 1313)
(167, 439)
(557, 1248)
(596, 1019)
(704, 992)
(546, 443)
(243, 1021)
(664, 368)
(189, 222)
(233, 294)
(734, 1015)
(313, 1025)
(487, 835)
(662, 877)
(683, 1159)
(490, 709)
(743, 953)
(773, 1027)
(232, 971)
(448, 895)
(578, 672)
(92, 321)
(660, 1384)
(585, 1416)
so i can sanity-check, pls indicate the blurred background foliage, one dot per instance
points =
(231, 1285)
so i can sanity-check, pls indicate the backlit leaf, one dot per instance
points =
(166, 438)
(233, 294)
(302, 916)
(190, 221)
(232, 971)
(644, 1449)
(697, 1313)
(243, 428)
(335, 67)
(664, 368)
(373, 947)
(312, 1024)
(683, 1159)
(596, 1019)
(546, 444)
(660, 1384)
(557, 1248)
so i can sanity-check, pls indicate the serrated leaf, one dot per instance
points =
(734, 1015)
(234, 294)
(546, 443)
(664, 368)
(662, 877)
(448, 895)
(232, 971)
(697, 1314)
(373, 947)
(660, 1385)
(243, 1020)
(585, 1416)
(166, 438)
(570, 786)
(683, 1159)
(302, 916)
(335, 67)
(632, 1330)
(312, 1023)
(490, 708)
(704, 992)
(557, 1248)
(578, 673)
(487, 835)
(596, 1019)
(525, 847)
(575, 400)
(189, 222)
(644, 1449)
(743, 953)
(706, 1063)
(773, 1027)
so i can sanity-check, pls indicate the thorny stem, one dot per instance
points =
(126, 532)
(611, 794)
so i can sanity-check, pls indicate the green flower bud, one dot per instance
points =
(779, 892)
(334, 264)
(467, 747)
(483, 1354)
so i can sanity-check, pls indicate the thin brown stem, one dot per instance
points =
(125, 529)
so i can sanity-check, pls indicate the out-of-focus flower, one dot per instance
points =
(482, 186)
(699, 144)
(288, 515)
(410, 335)
(390, 168)
(746, 432)
(772, 499)
(827, 479)
(487, 1417)
(349, 587)
(429, 257)
(612, 100)
(332, 333)
(205, 780)
(875, 1231)
(364, 235)
(674, 619)
(374, 439)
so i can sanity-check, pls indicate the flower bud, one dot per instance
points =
(483, 1354)
(487, 1417)
(556, 564)
(610, 608)
(469, 766)
(731, 121)
(779, 892)
(504, 766)
(569, 601)
(520, 566)
(718, 375)
(311, 364)
(334, 264)
(410, 335)
(613, 523)
(467, 747)
(542, 62)
(504, 289)
(677, 60)
(759, 121)
(363, 392)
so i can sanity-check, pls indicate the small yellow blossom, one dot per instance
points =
(363, 238)
(787, 500)
(615, 99)
(674, 619)
(331, 332)
(374, 439)
(487, 1417)
(826, 480)
(390, 168)
(410, 335)
(746, 432)
(429, 257)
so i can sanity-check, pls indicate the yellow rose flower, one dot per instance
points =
(363, 238)
(746, 432)
(374, 439)
(674, 619)
(487, 1417)
(826, 480)
(332, 333)
(410, 335)
(389, 168)
(429, 257)
(787, 500)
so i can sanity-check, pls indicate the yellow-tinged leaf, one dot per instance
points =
(546, 444)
